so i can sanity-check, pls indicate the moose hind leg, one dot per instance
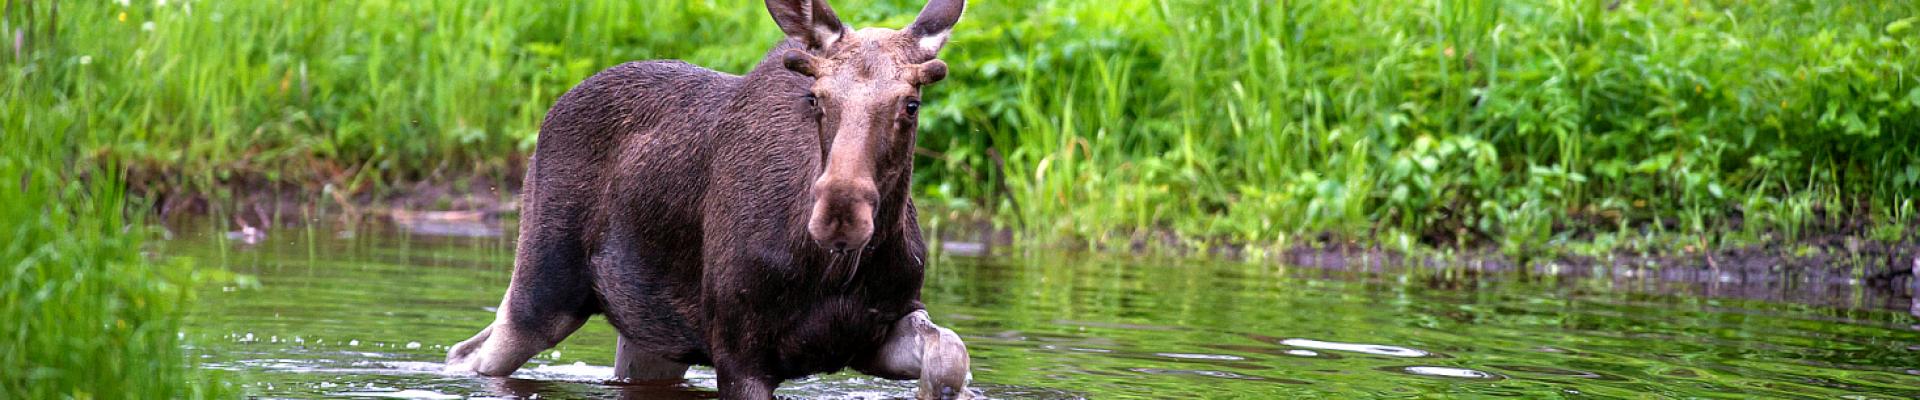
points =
(519, 331)
(916, 348)
(632, 364)
(549, 297)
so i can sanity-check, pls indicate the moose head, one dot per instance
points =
(866, 99)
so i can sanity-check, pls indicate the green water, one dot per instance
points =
(370, 312)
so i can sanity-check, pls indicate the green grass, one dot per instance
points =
(1523, 124)
(1535, 126)
(83, 313)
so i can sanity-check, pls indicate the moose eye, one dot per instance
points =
(913, 106)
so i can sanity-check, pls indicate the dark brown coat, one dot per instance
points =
(759, 223)
(681, 195)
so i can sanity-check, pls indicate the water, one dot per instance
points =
(369, 312)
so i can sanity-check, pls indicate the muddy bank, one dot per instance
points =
(1834, 257)
(1880, 276)
(1833, 269)
(251, 203)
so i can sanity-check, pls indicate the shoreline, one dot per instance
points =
(1822, 269)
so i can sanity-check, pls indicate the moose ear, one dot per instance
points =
(810, 21)
(935, 23)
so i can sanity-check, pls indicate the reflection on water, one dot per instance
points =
(371, 313)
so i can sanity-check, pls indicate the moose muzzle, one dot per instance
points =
(842, 212)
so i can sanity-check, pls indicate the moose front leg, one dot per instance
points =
(738, 383)
(918, 349)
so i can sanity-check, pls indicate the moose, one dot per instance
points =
(759, 224)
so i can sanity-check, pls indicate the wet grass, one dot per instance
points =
(83, 313)
(1540, 126)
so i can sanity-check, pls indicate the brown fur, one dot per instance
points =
(731, 220)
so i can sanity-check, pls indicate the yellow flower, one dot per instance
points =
(123, 16)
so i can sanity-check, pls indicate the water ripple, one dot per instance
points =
(1444, 372)
(1209, 357)
(1558, 372)
(1375, 349)
(402, 394)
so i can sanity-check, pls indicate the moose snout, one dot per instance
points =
(842, 213)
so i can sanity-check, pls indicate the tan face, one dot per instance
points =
(866, 94)
(866, 98)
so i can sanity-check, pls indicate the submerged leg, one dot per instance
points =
(629, 363)
(548, 298)
(916, 348)
(735, 385)
(511, 340)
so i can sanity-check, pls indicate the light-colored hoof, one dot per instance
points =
(461, 358)
(945, 367)
(475, 357)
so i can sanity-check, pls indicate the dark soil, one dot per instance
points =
(1838, 269)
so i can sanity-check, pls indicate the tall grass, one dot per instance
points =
(1527, 125)
(82, 313)
(1524, 124)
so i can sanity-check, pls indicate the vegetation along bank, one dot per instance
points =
(1527, 127)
